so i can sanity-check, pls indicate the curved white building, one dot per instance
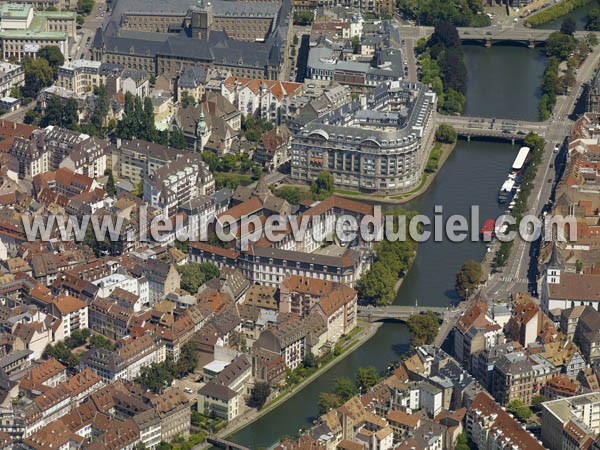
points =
(379, 144)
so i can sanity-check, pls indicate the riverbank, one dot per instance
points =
(251, 416)
(555, 12)
(398, 199)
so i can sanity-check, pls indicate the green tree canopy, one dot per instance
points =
(423, 328)
(38, 75)
(568, 26)
(194, 275)
(53, 55)
(260, 393)
(322, 187)
(468, 278)
(343, 388)
(446, 133)
(519, 409)
(328, 401)
(559, 45)
(177, 139)
(366, 378)
(111, 189)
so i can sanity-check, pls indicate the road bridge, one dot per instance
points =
(394, 312)
(493, 34)
(511, 130)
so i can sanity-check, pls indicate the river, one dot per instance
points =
(578, 15)
(472, 175)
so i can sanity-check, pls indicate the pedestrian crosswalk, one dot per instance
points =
(509, 279)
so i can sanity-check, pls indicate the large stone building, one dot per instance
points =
(378, 146)
(24, 31)
(249, 39)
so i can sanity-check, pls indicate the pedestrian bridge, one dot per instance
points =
(394, 312)
(223, 443)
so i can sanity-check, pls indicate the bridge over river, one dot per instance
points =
(495, 128)
(493, 34)
(395, 312)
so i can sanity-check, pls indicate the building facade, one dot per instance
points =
(368, 147)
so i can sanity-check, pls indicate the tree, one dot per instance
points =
(139, 189)
(62, 353)
(295, 39)
(462, 442)
(260, 393)
(343, 388)
(591, 39)
(99, 341)
(255, 127)
(156, 377)
(322, 187)
(446, 133)
(177, 139)
(328, 401)
(446, 35)
(559, 45)
(454, 71)
(53, 55)
(80, 20)
(310, 361)
(519, 409)
(85, 6)
(537, 400)
(31, 116)
(355, 44)
(376, 286)
(194, 275)
(38, 75)
(303, 18)
(78, 338)
(423, 328)
(111, 190)
(453, 102)
(568, 26)
(468, 278)
(366, 378)
(237, 339)
(188, 100)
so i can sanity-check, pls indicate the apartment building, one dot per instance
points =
(336, 302)
(79, 76)
(11, 76)
(136, 160)
(513, 378)
(72, 312)
(490, 427)
(268, 99)
(567, 418)
(370, 147)
(178, 182)
(127, 361)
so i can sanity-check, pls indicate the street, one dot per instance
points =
(85, 35)
(514, 276)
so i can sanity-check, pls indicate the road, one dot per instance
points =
(81, 48)
(513, 277)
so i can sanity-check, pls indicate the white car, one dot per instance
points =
(556, 148)
(187, 390)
